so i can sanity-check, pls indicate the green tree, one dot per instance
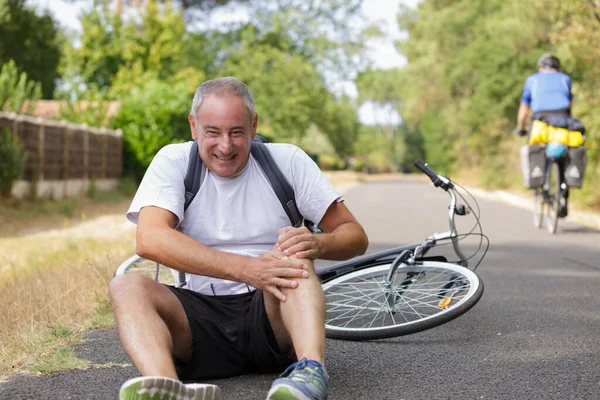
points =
(467, 61)
(381, 89)
(151, 116)
(339, 121)
(16, 89)
(283, 54)
(32, 41)
(575, 36)
(119, 54)
(288, 90)
(330, 34)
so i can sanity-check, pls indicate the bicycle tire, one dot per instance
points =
(553, 206)
(419, 305)
(538, 208)
(139, 265)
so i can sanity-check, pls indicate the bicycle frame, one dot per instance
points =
(408, 254)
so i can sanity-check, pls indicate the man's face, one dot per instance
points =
(224, 131)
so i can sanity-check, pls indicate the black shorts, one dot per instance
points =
(231, 336)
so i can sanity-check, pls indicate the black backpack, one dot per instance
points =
(284, 191)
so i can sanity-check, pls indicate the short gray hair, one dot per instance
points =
(549, 61)
(223, 86)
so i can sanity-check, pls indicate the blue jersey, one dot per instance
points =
(547, 91)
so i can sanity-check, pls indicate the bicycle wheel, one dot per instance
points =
(553, 197)
(359, 306)
(538, 208)
(153, 270)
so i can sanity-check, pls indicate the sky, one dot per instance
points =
(383, 51)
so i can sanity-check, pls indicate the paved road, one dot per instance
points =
(534, 335)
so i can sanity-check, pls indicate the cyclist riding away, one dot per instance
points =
(547, 93)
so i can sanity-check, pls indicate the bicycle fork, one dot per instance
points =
(393, 294)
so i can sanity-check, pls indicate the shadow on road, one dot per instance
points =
(578, 229)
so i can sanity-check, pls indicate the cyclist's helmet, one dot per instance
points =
(548, 61)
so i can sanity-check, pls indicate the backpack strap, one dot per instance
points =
(195, 169)
(192, 186)
(280, 185)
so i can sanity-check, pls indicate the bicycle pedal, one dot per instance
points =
(446, 301)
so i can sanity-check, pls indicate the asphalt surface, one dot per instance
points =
(535, 334)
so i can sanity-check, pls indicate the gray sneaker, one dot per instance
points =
(161, 388)
(303, 380)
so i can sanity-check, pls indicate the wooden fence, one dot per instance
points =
(63, 158)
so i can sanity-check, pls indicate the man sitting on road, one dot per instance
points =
(252, 302)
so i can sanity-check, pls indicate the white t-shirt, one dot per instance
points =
(239, 215)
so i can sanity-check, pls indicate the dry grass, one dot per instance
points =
(19, 217)
(53, 284)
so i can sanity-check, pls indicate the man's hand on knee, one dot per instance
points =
(300, 242)
(274, 271)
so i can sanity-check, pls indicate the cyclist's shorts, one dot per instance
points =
(231, 336)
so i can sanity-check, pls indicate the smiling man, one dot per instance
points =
(252, 302)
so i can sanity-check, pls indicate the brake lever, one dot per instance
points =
(461, 209)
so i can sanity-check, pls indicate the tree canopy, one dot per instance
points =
(32, 41)
(285, 54)
(467, 62)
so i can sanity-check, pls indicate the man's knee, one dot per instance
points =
(125, 287)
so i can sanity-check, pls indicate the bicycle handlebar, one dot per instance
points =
(446, 184)
(438, 180)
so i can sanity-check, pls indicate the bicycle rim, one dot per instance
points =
(358, 305)
(553, 205)
(147, 268)
(538, 208)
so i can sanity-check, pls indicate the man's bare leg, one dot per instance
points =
(149, 316)
(300, 320)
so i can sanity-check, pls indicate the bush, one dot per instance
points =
(330, 162)
(12, 161)
(16, 90)
(378, 162)
(356, 163)
(151, 117)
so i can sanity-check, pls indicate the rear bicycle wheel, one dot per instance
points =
(139, 265)
(553, 197)
(538, 208)
(361, 306)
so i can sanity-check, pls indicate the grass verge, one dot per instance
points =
(20, 217)
(53, 284)
(50, 302)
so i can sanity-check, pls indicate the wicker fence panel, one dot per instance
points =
(61, 151)
(54, 140)
(96, 156)
(29, 135)
(75, 154)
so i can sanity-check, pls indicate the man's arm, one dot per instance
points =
(157, 240)
(342, 238)
(522, 116)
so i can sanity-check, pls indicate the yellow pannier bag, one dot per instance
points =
(542, 133)
(558, 135)
(576, 139)
(539, 133)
